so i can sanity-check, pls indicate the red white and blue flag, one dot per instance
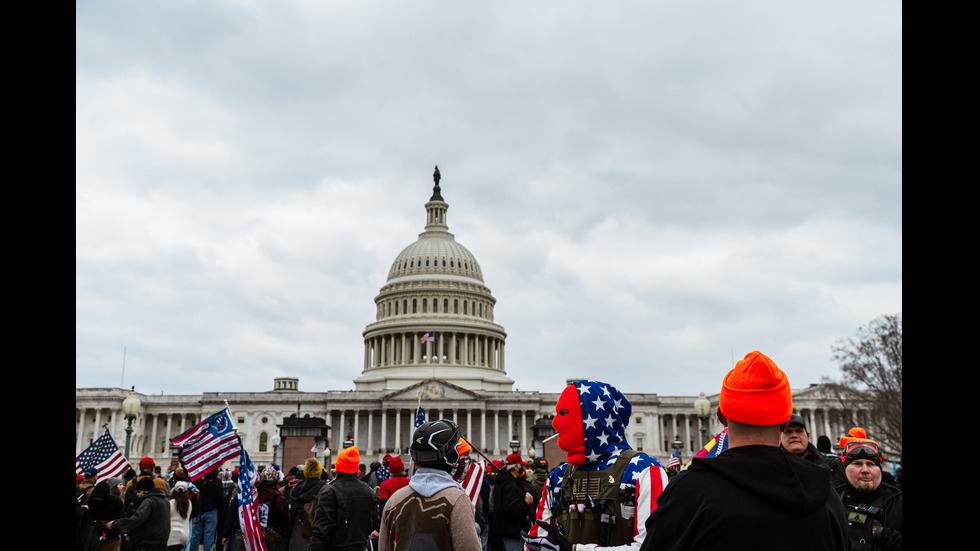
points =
(713, 448)
(104, 455)
(675, 460)
(429, 337)
(250, 517)
(209, 444)
(473, 480)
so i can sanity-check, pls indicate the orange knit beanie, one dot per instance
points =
(756, 392)
(348, 460)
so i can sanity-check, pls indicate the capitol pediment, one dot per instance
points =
(432, 390)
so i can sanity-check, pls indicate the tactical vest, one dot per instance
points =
(593, 508)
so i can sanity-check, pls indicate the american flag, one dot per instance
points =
(472, 481)
(206, 446)
(104, 455)
(248, 505)
(419, 417)
(429, 337)
(675, 460)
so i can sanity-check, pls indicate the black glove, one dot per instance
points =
(554, 541)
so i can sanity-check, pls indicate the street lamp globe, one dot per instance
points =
(702, 406)
(131, 405)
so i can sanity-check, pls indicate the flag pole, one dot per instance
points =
(477, 450)
(233, 427)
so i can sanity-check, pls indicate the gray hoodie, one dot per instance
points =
(427, 481)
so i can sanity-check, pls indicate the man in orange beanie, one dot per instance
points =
(753, 495)
(347, 510)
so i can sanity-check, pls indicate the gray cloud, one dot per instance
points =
(650, 189)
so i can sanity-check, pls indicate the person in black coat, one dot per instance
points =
(874, 508)
(511, 502)
(753, 495)
(149, 527)
(101, 507)
(347, 510)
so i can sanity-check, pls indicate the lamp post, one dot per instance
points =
(702, 407)
(276, 440)
(130, 408)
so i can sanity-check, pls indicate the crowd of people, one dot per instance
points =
(771, 486)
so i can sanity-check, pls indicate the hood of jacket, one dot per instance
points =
(427, 481)
(591, 421)
(773, 474)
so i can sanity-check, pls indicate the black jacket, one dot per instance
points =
(345, 515)
(510, 511)
(749, 497)
(888, 500)
(212, 495)
(150, 524)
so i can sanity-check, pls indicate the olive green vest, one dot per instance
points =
(602, 518)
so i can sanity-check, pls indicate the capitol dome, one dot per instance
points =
(435, 253)
(434, 316)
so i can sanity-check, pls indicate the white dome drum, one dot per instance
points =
(434, 317)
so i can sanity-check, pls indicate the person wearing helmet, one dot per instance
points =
(432, 512)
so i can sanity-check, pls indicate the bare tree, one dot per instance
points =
(871, 379)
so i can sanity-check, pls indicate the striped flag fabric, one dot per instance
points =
(248, 505)
(209, 444)
(675, 460)
(717, 445)
(429, 337)
(473, 480)
(105, 456)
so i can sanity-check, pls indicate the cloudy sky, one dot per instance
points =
(651, 188)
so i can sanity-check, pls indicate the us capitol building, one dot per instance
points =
(435, 341)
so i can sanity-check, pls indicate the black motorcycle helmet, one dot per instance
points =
(434, 445)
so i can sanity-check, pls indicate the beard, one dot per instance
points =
(864, 487)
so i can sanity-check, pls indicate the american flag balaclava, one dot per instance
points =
(591, 421)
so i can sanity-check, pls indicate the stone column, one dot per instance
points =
(398, 431)
(524, 432)
(384, 430)
(496, 432)
(370, 438)
(357, 419)
(95, 429)
(339, 441)
(81, 432)
(153, 437)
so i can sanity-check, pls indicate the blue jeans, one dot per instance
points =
(203, 531)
